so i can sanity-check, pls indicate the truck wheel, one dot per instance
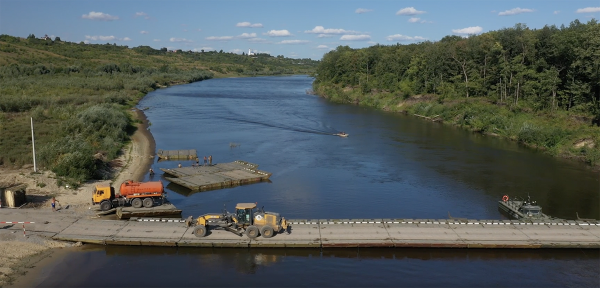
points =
(148, 202)
(200, 231)
(136, 203)
(252, 232)
(105, 205)
(266, 231)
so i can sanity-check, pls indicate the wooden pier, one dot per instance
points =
(217, 176)
(177, 154)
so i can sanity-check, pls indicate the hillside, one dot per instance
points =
(79, 96)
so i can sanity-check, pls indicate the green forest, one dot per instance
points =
(540, 87)
(80, 96)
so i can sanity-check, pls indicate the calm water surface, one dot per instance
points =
(391, 166)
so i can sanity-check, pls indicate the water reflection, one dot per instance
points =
(268, 256)
(194, 267)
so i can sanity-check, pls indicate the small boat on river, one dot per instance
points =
(521, 209)
(341, 134)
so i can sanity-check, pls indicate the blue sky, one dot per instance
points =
(297, 29)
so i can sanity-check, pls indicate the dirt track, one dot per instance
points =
(18, 253)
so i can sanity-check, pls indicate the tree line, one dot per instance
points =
(546, 69)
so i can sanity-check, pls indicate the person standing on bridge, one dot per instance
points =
(53, 204)
(204, 160)
(210, 160)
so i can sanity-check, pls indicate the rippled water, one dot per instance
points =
(391, 166)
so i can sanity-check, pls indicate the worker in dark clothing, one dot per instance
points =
(204, 160)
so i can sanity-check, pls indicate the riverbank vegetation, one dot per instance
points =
(79, 96)
(540, 87)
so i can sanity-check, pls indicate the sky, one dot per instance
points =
(295, 29)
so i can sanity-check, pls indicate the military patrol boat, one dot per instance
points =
(521, 209)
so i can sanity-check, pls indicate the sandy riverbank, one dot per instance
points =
(19, 254)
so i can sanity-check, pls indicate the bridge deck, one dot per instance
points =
(190, 154)
(217, 176)
(448, 233)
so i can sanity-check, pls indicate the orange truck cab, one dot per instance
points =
(137, 194)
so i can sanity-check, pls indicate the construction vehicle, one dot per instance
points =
(137, 194)
(245, 220)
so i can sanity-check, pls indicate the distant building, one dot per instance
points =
(45, 37)
(250, 53)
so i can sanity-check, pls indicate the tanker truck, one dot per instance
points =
(136, 194)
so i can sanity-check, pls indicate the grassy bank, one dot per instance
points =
(567, 134)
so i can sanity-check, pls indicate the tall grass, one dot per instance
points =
(81, 122)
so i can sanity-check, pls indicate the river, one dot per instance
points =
(391, 166)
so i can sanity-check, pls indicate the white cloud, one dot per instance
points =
(101, 38)
(247, 35)
(468, 30)
(156, 40)
(363, 10)
(144, 32)
(323, 47)
(322, 30)
(104, 38)
(418, 20)
(141, 14)
(556, 12)
(203, 48)
(219, 38)
(249, 25)
(260, 51)
(99, 16)
(515, 11)
(588, 10)
(278, 33)
(409, 11)
(258, 40)
(180, 40)
(361, 37)
(324, 35)
(293, 42)
(404, 38)
(236, 51)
